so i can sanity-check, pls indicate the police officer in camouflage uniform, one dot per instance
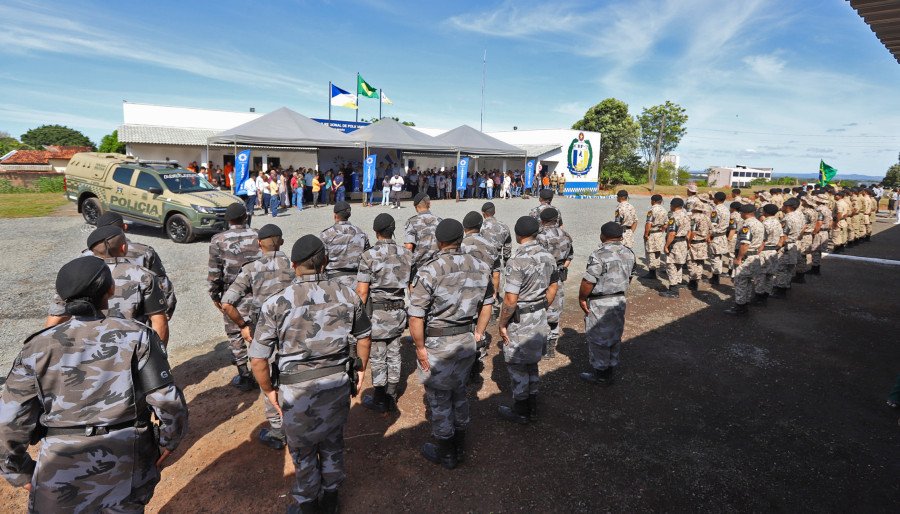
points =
(655, 235)
(418, 234)
(698, 243)
(307, 327)
(602, 298)
(750, 240)
(626, 216)
(85, 388)
(257, 281)
(483, 249)
(137, 295)
(345, 244)
(229, 250)
(718, 246)
(381, 285)
(822, 232)
(546, 198)
(768, 256)
(559, 243)
(792, 224)
(497, 232)
(142, 255)
(532, 279)
(450, 306)
(676, 248)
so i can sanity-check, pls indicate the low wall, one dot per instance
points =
(26, 178)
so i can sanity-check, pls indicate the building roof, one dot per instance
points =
(538, 150)
(153, 134)
(43, 156)
(388, 133)
(474, 142)
(283, 127)
(883, 17)
(66, 152)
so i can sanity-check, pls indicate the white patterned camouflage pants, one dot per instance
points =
(603, 328)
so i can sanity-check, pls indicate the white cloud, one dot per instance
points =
(766, 66)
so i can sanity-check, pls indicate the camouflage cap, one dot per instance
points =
(692, 188)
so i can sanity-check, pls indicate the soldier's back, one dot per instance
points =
(456, 283)
(420, 231)
(344, 243)
(229, 250)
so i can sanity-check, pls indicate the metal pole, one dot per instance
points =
(662, 127)
(379, 103)
(483, 73)
(234, 165)
(358, 103)
(329, 103)
(457, 174)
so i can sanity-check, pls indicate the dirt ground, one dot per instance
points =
(780, 411)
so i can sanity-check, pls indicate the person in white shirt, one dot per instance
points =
(260, 186)
(507, 183)
(396, 189)
(385, 191)
(440, 186)
(489, 187)
(448, 186)
(250, 199)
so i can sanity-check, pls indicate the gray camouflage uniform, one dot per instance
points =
(137, 295)
(228, 252)
(308, 326)
(345, 244)
(386, 267)
(536, 212)
(77, 375)
(497, 232)
(609, 268)
(558, 242)
(419, 231)
(257, 281)
(528, 274)
(449, 291)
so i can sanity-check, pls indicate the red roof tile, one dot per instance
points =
(28, 157)
(66, 152)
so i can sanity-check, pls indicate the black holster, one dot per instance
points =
(563, 273)
(353, 366)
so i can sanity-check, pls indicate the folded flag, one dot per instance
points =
(363, 88)
(385, 99)
(826, 173)
(342, 98)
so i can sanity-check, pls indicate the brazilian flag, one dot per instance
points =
(364, 89)
(826, 173)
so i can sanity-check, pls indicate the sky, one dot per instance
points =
(769, 83)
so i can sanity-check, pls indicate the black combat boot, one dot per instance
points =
(441, 452)
(244, 380)
(815, 270)
(671, 292)
(310, 507)
(459, 442)
(391, 396)
(651, 275)
(518, 413)
(799, 278)
(532, 408)
(692, 285)
(601, 377)
(328, 504)
(377, 401)
(273, 438)
(779, 292)
(738, 309)
(760, 299)
(551, 350)
(714, 279)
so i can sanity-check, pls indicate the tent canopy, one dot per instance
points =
(284, 127)
(388, 133)
(475, 142)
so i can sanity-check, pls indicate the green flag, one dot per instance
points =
(364, 89)
(826, 173)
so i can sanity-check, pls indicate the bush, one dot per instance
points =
(43, 185)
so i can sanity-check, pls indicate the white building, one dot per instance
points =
(738, 176)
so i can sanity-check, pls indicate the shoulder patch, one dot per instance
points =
(745, 229)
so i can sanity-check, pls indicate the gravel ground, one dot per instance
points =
(37, 247)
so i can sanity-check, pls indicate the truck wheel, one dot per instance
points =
(91, 210)
(178, 228)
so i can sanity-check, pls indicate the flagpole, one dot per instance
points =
(380, 92)
(358, 103)
(483, 73)
(329, 103)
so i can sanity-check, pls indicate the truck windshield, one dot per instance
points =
(186, 182)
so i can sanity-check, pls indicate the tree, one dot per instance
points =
(9, 143)
(684, 175)
(623, 170)
(407, 123)
(55, 135)
(665, 175)
(619, 132)
(110, 143)
(892, 178)
(651, 122)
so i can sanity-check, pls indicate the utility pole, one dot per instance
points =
(483, 73)
(655, 164)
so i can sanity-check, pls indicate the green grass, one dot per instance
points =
(30, 205)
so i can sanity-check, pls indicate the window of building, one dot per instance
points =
(123, 176)
(145, 181)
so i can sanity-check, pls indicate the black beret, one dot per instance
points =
(549, 214)
(449, 230)
(110, 218)
(419, 198)
(472, 220)
(546, 194)
(656, 198)
(792, 202)
(527, 226)
(735, 205)
(611, 229)
(101, 234)
(775, 190)
(840, 193)
(383, 222)
(677, 202)
(720, 196)
(306, 247)
(622, 194)
(341, 207)
(268, 231)
(748, 207)
(770, 209)
(801, 194)
(488, 207)
(83, 277)
(235, 211)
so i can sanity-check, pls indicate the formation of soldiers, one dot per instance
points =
(765, 244)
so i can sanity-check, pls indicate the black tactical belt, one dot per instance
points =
(719, 234)
(656, 231)
(771, 247)
(449, 331)
(679, 238)
(749, 253)
(531, 307)
(91, 430)
(389, 305)
(312, 374)
(593, 296)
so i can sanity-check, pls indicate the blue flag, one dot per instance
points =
(529, 174)
(369, 173)
(462, 172)
(241, 172)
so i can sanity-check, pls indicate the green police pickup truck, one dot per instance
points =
(159, 194)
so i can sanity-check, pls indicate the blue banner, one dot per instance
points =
(529, 174)
(369, 168)
(241, 172)
(344, 126)
(462, 174)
